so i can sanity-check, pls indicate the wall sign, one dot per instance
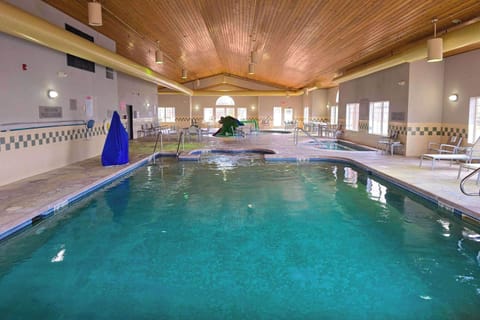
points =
(49, 112)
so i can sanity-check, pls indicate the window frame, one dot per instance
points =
(474, 119)
(208, 115)
(378, 109)
(242, 113)
(352, 116)
(162, 113)
(334, 115)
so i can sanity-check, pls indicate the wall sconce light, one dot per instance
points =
(52, 94)
(251, 68)
(453, 97)
(197, 107)
(184, 73)
(435, 45)
(252, 107)
(95, 14)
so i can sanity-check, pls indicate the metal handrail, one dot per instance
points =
(159, 134)
(462, 183)
(295, 135)
(181, 138)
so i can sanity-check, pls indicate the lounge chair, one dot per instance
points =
(452, 145)
(471, 153)
(388, 144)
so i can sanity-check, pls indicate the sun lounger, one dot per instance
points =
(441, 156)
(470, 153)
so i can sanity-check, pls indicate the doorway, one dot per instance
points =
(130, 121)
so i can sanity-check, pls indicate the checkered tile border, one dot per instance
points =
(400, 127)
(11, 142)
(437, 131)
(419, 130)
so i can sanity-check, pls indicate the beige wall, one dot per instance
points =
(266, 104)
(30, 144)
(25, 153)
(387, 85)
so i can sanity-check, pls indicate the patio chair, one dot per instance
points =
(452, 145)
(470, 153)
(388, 144)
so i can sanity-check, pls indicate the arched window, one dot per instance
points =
(225, 101)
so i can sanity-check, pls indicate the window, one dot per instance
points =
(474, 120)
(277, 116)
(334, 115)
(208, 114)
(230, 112)
(219, 112)
(242, 113)
(109, 73)
(74, 61)
(225, 101)
(352, 116)
(166, 114)
(288, 115)
(378, 118)
(306, 113)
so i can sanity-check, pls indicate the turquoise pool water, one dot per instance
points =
(234, 238)
(338, 145)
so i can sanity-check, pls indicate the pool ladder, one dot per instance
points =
(181, 139)
(295, 135)
(462, 183)
(159, 135)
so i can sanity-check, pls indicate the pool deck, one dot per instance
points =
(24, 201)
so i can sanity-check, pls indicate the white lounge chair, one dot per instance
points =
(471, 153)
(452, 145)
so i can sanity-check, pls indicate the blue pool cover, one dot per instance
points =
(115, 150)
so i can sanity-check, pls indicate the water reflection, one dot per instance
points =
(117, 200)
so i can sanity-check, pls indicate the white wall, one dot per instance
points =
(23, 91)
(142, 96)
(425, 97)
(319, 101)
(462, 76)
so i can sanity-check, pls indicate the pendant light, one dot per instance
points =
(251, 68)
(435, 46)
(158, 55)
(94, 13)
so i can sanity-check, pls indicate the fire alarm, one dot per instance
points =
(24, 67)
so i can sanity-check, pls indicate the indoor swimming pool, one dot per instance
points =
(233, 237)
(338, 145)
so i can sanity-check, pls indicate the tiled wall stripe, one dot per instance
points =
(420, 130)
(13, 140)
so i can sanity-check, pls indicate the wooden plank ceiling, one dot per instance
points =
(299, 43)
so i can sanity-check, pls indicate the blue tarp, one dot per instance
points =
(115, 150)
